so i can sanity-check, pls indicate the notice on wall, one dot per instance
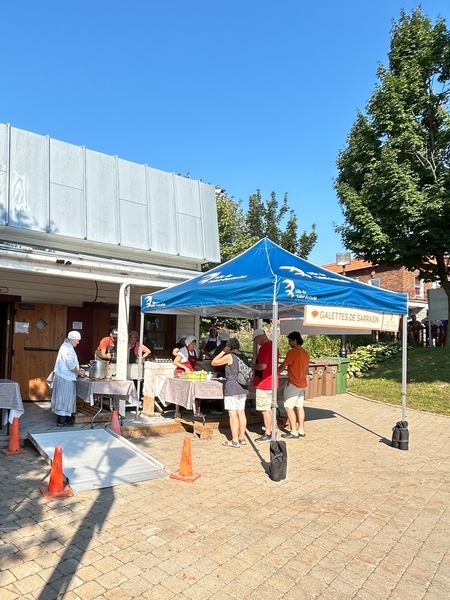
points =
(21, 327)
(77, 324)
(349, 318)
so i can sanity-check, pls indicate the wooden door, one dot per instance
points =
(103, 318)
(39, 330)
(79, 318)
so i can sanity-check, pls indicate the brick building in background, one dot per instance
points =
(390, 278)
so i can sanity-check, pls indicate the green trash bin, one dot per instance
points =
(341, 375)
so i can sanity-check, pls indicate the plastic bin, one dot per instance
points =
(329, 379)
(341, 375)
(309, 393)
(319, 371)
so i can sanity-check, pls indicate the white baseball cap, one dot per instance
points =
(257, 332)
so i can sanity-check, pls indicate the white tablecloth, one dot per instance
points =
(10, 398)
(184, 391)
(88, 388)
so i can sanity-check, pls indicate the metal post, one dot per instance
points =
(274, 369)
(343, 349)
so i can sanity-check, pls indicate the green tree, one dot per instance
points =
(266, 219)
(393, 180)
(238, 230)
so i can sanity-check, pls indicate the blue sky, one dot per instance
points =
(243, 94)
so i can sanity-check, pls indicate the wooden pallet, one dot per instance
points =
(85, 413)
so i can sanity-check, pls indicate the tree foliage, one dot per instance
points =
(393, 180)
(238, 230)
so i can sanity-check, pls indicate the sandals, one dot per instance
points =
(231, 444)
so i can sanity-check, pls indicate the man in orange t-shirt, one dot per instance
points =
(297, 363)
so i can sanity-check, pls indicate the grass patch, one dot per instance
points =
(428, 380)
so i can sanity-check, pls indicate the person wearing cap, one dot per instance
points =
(263, 381)
(185, 361)
(181, 343)
(210, 342)
(64, 392)
(107, 347)
(235, 394)
(297, 364)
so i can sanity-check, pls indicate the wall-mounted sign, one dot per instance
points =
(77, 325)
(349, 318)
(20, 327)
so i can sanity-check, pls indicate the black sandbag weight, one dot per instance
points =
(400, 435)
(278, 460)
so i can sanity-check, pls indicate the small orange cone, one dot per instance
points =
(56, 486)
(185, 472)
(115, 423)
(14, 440)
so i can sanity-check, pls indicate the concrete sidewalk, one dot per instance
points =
(355, 518)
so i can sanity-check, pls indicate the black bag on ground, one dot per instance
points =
(278, 460)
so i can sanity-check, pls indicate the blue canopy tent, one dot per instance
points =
(267, 282)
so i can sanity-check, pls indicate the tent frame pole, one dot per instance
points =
(404, 363)
(274, 369)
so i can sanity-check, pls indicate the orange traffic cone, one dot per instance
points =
(56, 486)
(115, 423)
(185, 472)
(14, 440)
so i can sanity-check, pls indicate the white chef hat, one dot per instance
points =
(74, 335)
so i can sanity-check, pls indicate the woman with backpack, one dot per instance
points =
(235, 394)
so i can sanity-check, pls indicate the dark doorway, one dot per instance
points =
(6, 333)
(80, 319)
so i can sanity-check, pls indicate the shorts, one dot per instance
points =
(263, 399)
(293, 396)
(236, 402)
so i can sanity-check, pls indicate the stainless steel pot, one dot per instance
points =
(98, 369)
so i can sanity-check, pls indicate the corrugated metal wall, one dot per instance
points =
(54, 191)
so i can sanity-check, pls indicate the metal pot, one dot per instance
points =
(98, 369)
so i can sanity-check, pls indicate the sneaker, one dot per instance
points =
(231, 444)
(290, 436)
(177, 415)
(243, 442)
(215, 412)
(264, 438)
(64, 424)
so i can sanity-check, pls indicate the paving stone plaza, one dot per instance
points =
(355, 518)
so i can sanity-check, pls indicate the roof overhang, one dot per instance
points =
(78, 266)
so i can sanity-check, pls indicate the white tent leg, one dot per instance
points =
(404, 363)
(140, 363)
(274, 369)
